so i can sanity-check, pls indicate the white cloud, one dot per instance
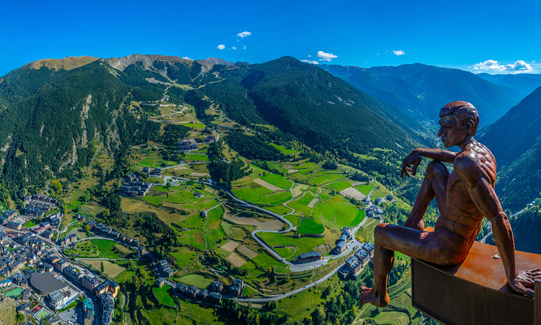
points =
(492, 65)
(187, 58)
(234, 48)
(244, 47)
(221, 47)
(309, 55)
(244, 34)
(309, 61)
(399, 52)
(325, 56)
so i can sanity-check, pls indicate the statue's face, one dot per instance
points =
(450, 132)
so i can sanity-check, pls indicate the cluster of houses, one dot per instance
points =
(213, 293)
(38, 205)
(44, 228)
(374, 211)
(344, 239)
(156, 172)
(187, 145)
(356, 263)
(6, 216)
(165, 268)
(190, 144)
(106, 291)
(17, 223)
(134, 186)
(107, 231)
(70, 239)
(14, 255)
(379, 201)
(26, 261)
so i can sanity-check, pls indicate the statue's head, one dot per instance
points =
(458, 120)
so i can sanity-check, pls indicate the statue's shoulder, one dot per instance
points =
(466, 166)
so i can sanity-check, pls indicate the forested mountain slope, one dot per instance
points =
(52, 125)
(312, 105)
(516, 132)
(520, 182)
(22, 82)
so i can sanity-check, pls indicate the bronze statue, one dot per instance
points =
(463, 197)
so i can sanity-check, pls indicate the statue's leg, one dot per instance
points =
(434, 186)
(412, 242)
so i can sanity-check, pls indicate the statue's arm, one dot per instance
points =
(412, 161)
(484, 197)
(438, 154)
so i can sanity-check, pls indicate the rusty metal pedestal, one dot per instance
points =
(475, 291)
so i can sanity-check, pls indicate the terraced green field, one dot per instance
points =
(279, 209)
(339, 186)
(253, 195)
(284, 150)
(278, 198)
(193, 237)
(277, 180)
(197, 280)
(392, 318)
(309, 226)
(293, 219)
(365, 189)
(105, 246)
(326, 178)
(163, 296)
(301, 205)
(195, 157)
(156, 200)
(337, 212)
(213, 231)
(184, 256)
(264, 260)
(304, 244)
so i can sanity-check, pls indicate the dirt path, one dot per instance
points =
(353, 192)
(267, 185)
(267, 225)
(313, 202)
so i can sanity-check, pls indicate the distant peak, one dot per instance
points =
(147, 60)
(218, 61)
(67, 63)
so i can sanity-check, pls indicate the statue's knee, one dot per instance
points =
(436, 168)
(379, 232)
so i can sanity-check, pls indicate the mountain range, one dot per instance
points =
(422, 90)
(56, 114)
(515, 142)
(76, 105)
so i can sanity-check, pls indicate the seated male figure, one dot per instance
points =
(464, 197)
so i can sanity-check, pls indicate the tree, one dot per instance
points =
(327, 292)
(102, 267)
(318, 316)
(56, 186)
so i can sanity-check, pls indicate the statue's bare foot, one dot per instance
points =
(368, 295)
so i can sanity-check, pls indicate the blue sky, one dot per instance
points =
(492, 36)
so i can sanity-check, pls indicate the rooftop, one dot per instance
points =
(45, 283)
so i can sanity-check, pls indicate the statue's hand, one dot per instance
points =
(413, 159)
(419, 225)
(524, 282)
